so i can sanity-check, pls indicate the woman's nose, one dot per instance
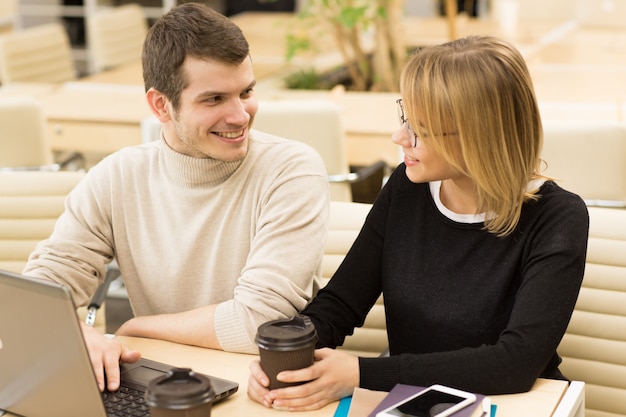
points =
(401, 136)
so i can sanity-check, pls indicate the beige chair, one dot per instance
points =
(346, 220)
(24, 140)
(588, 158)
(318, 124)
(594, 346)
(30, 203)
(8, 15)
(37, 54)
(115, 35)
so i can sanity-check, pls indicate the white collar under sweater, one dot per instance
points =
(435, 190)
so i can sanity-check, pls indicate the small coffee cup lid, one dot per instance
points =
(286, 334)
(179, 389)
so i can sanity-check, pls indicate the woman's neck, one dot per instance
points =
(459, 196)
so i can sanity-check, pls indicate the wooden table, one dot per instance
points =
(232, 366)
(95, 118)
(124, 74)
(539, 402)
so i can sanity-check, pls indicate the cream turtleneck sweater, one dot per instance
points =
(189, 232)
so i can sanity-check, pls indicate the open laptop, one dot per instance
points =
(45, 369)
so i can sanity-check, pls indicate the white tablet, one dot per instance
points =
(434, 401)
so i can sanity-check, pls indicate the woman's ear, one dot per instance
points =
(158, 104)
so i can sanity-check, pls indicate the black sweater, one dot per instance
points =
(464, 307)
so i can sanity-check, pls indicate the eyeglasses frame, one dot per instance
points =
(405, 121)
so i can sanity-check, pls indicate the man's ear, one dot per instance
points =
(158, 104)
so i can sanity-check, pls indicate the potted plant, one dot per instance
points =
(367, 33)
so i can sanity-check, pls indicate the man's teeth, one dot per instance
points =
(230, 135)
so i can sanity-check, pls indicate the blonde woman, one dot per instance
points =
(479, 257)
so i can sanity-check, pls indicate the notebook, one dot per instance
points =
(44, 365)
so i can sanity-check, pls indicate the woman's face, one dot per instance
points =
(423, 164)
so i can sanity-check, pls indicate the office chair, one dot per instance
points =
(8, 15)
(38, 54)
(115, 35)
(30, 203)
(24, 139)
(318, 123)
(594, 345)
(599, 147)
(345, 222)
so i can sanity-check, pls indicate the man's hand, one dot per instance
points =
(105, 355)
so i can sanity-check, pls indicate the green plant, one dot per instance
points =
(367, 33)
(305, 79)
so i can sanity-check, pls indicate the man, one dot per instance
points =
(216, 228)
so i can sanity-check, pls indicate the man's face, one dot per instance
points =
(216, 111)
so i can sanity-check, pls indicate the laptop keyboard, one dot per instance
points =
(125, 402)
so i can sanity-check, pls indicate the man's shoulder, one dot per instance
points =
(129, 159)
(145, 151)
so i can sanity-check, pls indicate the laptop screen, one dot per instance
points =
(46, 371)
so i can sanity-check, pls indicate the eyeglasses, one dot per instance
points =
(404, 121)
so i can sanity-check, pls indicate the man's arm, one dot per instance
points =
(192, 327)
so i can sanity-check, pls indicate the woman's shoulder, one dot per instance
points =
(556, 201)
(553, 193)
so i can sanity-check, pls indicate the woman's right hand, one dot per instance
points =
(334, 375)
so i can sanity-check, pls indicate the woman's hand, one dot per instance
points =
(334, 375)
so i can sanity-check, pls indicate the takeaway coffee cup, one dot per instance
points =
(286, 345)
(180, 393)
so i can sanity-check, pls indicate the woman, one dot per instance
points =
(479, 256)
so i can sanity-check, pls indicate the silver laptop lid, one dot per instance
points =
(45, 365)
(45, 369)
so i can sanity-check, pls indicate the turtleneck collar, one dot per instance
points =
(189, 171)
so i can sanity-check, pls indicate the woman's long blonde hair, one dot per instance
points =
(482, 88)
